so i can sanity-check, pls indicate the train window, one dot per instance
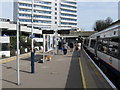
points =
(114, 32)
(104, 46)
(87, 42)
(92, 44)
(113, 47)
(100, 46)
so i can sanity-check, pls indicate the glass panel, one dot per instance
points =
(100, 46)
(5, 47)
(109, 46)
(113, 47)
(105, 45)
(92, 45)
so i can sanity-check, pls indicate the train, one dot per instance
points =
(105, 47)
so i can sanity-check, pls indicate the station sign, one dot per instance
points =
(48, 31)
(63, 31)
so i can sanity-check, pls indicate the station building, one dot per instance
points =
(9, 28)
(46, 12)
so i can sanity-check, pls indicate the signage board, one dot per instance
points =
(63, 31)
(48, 31)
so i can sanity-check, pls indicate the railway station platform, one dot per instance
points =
(73, 70)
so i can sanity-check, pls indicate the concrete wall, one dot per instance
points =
(10, 26)
(4, 39)
(6, 53)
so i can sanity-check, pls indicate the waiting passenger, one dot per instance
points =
(100, 48)
(71, 46)
(78, 46)
(65, 46)
(105, 49)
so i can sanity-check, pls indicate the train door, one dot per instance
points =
(96, 45)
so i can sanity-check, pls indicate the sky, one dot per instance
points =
(7, 9)
(87, 12)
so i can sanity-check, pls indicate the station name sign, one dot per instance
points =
(63, 31)
(48, 31)
(52, 31)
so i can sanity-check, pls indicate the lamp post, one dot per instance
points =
(56, 39)
(18, 52)
(32, 42)
(44, 42)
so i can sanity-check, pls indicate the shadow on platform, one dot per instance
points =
(14, 69)
(74, 79)
(37, 57)
(9, 81)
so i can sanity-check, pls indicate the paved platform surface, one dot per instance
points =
(63, 71)
(93, 78)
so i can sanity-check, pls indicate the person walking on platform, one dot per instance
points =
(71, 46)
(78, 46)
(59, 46)
(65, 49)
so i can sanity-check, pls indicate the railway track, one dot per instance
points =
(111, 76)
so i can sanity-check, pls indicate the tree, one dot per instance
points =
(22, 44)
(25, 42)
(102, 24)
(13, 45)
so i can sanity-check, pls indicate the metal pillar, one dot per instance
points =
(18, 51)
(44, 47)
(18, 59)
(32, 41)
(56, 42)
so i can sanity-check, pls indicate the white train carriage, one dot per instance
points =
(106, 46)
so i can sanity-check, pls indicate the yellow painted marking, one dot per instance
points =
(11, 59)
(8, 60)
(83, 78)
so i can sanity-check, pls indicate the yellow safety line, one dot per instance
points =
(11, 59)
(7, 60)
(83, 78)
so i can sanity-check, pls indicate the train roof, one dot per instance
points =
(114, 25)
(118, 21)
